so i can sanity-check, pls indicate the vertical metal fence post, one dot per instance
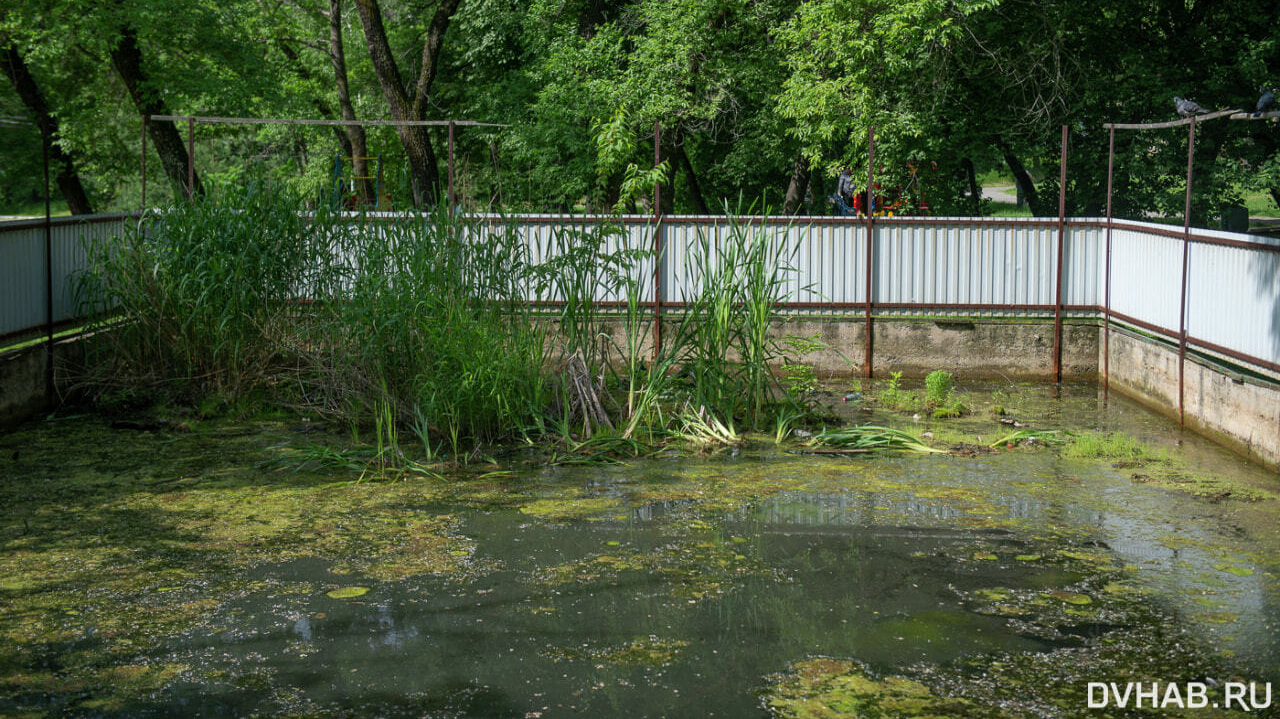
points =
(451, 200)
(868, 207)
(48, 269)
(191, 158)
(657, 243)
(1062, 227)
(1182, 303)
(144, 162)
(1106, 307)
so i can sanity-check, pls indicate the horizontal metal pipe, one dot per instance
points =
(33, 332)
(271, 121)
(68, 220)
(1170, 123)
(1228, 352)
(1179, 235)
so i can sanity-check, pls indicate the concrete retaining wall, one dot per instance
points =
(1238, 411)
(972, 348)
(24, 379)
(979, 349)
(23, 382)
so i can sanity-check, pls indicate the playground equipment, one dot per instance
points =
(907, 199)
(346, 191)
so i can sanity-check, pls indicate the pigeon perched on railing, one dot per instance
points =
(1187, 108)
(1265, 102)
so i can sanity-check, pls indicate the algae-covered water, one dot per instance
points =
(196, 571)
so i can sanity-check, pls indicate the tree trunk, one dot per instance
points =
(25, 85)
(797, 187)
(357, 146)
(691, 179)
(667, 155)
(1026, 186)
(416, 141)
(975, 193)
(127, 59)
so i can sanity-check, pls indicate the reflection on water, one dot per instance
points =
(664, 607)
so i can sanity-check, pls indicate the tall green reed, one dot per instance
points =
(433, 312)
(583, 266)
(740, 277)
(423, 320)
(206, 288)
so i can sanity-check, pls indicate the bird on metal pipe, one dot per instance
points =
(1187, 108)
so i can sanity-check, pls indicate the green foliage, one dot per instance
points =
(1030, 436)
(421, 322)
(740, 87)
(741, 276)
(435, 314)
(892, 396)
(869, 63)
(614, 146)
(800, 379)
(410, 320)
(206, 288)
(940, 397)
(872, 438)
(1116, 445)
(937, 388)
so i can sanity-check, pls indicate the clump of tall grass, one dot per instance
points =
(424, 314)
(724, 339)
(582, 265)
(704, 429)
(207, 290)
(940, 396)
(1113, 445)
(1030, 437)
(430, 317)
(892, 396)
(424, 321)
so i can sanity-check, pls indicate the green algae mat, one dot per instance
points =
(193, 573)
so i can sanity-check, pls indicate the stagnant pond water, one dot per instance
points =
(200, 573)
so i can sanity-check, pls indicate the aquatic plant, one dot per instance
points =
(871, 438)
(636, 325)
(937, 388)
(600, 448)
(1031, 436)
(892, 396)
(205, 290)
(800, 379)
(940, 398)
(432, 311)
(704, 428)
(725, 337)
(784, 421)
(1115, 445)
(823, 687)
(579, 268)
(424, 322)
(1161, 468)
(248, 294)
